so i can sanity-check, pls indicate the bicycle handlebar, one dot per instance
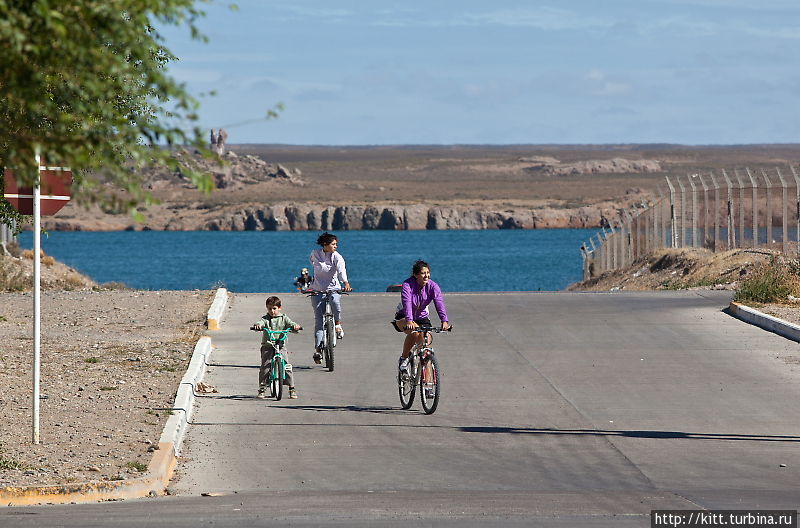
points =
(282, 333)
(421, 329)
(317, 292)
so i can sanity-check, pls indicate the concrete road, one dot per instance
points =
(659, 397)
(558, 409)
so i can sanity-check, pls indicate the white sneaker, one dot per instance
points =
(339, 331)
(403, 364)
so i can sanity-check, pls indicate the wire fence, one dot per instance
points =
(717, 211)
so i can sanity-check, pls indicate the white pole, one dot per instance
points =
(36, 298)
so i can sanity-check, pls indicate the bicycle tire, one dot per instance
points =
(407, 385)
(430, 382)
(330, 335)
(277, 380)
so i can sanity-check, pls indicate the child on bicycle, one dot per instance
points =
(274, 320)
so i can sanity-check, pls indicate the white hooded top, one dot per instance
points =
(328, 267)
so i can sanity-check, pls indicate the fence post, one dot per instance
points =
(741, 206)
(755, 206)
(682, 227)
(5, 237)
(691, 178)
(600, 247)
(729, 209)
(592, 264)
(672, 220)
(716, 210)
(606, 252)
(797, 209)
(705, 209)
(769, 208)
(585, 255)
(784, 211)
(629, 238)
(613, 247)
(658, 221)
(643, 219)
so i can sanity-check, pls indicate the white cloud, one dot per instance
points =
(789, 33)
(546, 18)
(329, 14)
(599, 84)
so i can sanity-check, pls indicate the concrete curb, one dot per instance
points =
(163, 462)
(217, 309)
(767, 322)
(175, 428)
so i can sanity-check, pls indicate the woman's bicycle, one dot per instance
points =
(423, 372)
(277, 374)
(328, 326)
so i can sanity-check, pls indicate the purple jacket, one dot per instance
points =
(415, 299)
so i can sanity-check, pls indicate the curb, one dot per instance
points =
(217, 309)
(163, 462)
(175, 428)
(762, 320)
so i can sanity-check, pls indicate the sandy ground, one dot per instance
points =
(111, 364)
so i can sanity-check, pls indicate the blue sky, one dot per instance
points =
(498, 72)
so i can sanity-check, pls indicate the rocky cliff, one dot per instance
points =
(301, 217)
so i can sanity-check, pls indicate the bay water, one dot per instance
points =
(268, 261)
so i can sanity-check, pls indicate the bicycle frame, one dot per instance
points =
(420, 352)
(279, 344)
(328, 325)
(424, 373)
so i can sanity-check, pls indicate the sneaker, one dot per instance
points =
(429, 394)
(339, 331)
(317, 357)
(292, 394)
(262, 394)
(403, 364)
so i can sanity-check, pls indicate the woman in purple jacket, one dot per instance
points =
(417, 293)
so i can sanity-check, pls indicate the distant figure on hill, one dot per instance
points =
(217, 141)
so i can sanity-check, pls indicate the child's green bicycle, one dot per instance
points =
(277, 374)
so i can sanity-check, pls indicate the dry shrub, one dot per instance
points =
(13, 277)
(74, 281)
(771, 282)
(44, 258)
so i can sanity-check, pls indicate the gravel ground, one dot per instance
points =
(111, 363)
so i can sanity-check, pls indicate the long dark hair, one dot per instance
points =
(418, 265)
(326, 238)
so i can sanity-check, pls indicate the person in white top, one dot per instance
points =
(329, 266)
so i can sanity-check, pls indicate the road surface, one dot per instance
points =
(570, 409)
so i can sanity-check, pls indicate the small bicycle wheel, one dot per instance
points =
(430, 384)
(277, 378)
(330, 334)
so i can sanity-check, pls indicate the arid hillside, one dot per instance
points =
(478, 187)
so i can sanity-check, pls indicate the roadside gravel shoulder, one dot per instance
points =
(111, 363)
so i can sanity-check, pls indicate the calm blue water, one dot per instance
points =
(268, 261)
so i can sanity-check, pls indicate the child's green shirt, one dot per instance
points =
(279, 322)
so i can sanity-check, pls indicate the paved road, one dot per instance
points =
(570, 409)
